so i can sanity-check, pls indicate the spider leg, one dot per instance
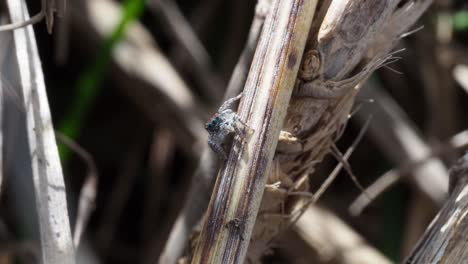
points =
(242, 128)
(218, 149)
(228, 103)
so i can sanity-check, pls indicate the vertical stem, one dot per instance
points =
(239, 188)
(43, 162)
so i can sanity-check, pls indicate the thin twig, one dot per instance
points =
(458, 142)
(401, 141)
(339, 156)
(346, 156)
(399, 138)
(326, 184)
(48, 8)
(33, 20)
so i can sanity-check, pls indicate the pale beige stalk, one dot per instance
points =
(239, 188)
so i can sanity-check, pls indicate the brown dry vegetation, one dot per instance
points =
(356, 116)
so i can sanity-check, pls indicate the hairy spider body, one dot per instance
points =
(223, 123)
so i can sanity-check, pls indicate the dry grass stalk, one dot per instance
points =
(331, 239)
(49, 7)
(238, 191)
(351, 31)
(445, 239)
(344, 34)
(43, 158)
(402, 143)
(205, 174)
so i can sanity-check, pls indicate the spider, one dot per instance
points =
(223, 123)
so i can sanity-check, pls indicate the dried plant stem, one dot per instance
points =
(43, 158)
(33, 20)
(238, 190)
(445, 240)
(458, 142)
(205, 174)
(49, 7)
(312, 124)
(395, 133)
(328, 236)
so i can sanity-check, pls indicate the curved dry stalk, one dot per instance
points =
(48, 8)
(33, 20)
(87, 197)
(238, 191)
(401, 142)
(458, 142)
